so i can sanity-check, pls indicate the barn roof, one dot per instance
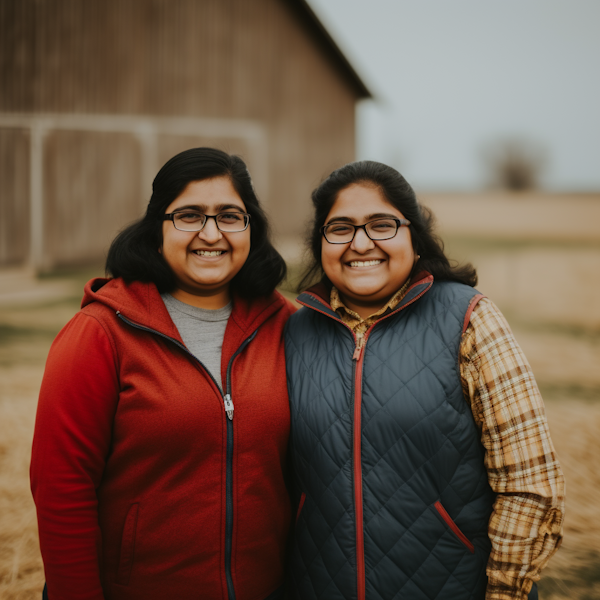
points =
(322, 38)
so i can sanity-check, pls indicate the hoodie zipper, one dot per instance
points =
(229, 471)
(228, 408)
(360, 342)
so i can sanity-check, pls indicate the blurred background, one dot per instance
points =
(490, 110)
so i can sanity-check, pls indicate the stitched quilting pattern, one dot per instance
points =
(419, 445)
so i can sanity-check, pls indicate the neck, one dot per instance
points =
(210, 301)
(366, 309)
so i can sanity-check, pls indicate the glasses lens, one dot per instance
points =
(338, 233)
(189, 221)
(232, 221)
(382, 229)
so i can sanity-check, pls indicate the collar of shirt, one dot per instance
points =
(354, 320)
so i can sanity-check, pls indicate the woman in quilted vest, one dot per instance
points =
(422, 458)
(160, 449)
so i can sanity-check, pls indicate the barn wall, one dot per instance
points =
(14, 196)
(220, 59)
(89, 192)
(312, 126)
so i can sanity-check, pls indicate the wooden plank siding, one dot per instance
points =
(14, 196)
(258, 61)
(89, 192)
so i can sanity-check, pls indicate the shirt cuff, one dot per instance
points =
(501, 592)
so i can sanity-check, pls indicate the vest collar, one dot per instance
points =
(317, 297)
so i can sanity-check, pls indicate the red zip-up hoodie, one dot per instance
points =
(144, 488)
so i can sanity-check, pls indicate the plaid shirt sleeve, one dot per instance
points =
(526, 523)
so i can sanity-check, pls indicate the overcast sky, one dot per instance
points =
(453, 77)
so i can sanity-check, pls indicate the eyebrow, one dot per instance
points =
(203, 208)
(370, 217)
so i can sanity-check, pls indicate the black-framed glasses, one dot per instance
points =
(192, 220)
(378, 229)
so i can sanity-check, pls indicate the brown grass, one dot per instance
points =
(573, 414)
(21, 571)
(574, 571)
(25, 337)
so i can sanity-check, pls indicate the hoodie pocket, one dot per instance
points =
(454, 527)
(127, 545)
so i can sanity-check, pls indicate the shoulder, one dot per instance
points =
(487, 311)
(267, 312)
(488, 332)
(453, 291)
(487, 321)
(307, 329)
(93, 317)
(85, 337)
(100, 316)
(288, 308)
(302, 318)
(280, 307)
(448, 302)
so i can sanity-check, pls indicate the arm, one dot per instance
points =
(525, 527)
(72, 435)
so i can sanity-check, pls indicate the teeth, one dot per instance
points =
(364, 263)
(209, 252)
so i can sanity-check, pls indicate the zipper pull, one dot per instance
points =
(359, 344)
(228, 406)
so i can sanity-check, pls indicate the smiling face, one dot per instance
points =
(367, 273)
(205, 262)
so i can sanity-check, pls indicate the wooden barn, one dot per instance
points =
(95, 96)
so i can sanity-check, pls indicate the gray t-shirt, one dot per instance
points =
(202, 331)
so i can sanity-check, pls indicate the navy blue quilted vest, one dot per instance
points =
(395, 498)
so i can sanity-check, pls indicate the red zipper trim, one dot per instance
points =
(459, 534)
(356, 454)
(358, 496)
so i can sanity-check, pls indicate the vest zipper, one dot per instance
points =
(228, 407)
(357, 468)
(359, 344)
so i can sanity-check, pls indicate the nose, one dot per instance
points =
(210, 233)
(362, 242)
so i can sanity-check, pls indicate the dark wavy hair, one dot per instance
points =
(397, 191)
(134, 255)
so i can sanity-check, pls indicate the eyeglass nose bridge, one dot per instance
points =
(364, 228)
(206, 218)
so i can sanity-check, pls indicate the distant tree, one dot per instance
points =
(514, 164)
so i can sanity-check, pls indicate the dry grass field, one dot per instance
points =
(554, 311)
(25, 337)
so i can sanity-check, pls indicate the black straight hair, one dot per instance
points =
(134, 254)
(397, 191)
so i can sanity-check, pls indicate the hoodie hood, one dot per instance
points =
(140, 303)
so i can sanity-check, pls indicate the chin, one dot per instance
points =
(365, 293)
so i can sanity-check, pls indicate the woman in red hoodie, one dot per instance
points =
(158, 466)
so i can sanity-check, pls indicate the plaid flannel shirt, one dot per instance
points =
(526, 523)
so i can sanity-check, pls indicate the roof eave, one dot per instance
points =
(304, 9)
